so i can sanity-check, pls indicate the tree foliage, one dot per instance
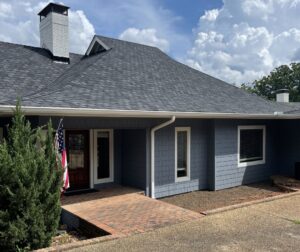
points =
(30, 182)
(283, 77)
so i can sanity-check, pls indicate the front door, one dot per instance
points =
(77, 145)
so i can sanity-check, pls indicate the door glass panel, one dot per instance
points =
(103, 162)
(76, 151)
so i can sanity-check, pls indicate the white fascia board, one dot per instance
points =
(86, 112)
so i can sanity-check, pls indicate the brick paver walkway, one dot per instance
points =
(129, 213)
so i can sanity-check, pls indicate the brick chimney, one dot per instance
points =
(54, 31)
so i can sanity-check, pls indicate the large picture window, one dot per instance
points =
(182, 153)
(251, 145)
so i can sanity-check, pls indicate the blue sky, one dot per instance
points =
(181, 16)
(235, 40)
(190, 11)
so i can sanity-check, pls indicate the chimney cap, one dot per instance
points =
(54, 7)
(282, 91)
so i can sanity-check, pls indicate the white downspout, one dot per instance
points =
(153, 130)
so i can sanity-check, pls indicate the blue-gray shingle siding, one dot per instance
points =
(165, 158)
(134, 158)
(213, 151)
(288, 136)
(227, 173)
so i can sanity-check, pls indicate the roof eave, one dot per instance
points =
(87, 112)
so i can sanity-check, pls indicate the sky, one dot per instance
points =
(237, 41)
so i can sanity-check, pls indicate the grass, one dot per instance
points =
(297, 222)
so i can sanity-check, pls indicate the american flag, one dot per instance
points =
(62, 154)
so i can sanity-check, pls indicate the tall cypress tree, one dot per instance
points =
(30, 182)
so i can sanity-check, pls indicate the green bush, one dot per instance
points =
(30, 182)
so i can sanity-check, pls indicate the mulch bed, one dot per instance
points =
(286, 183)
(65, 236)
(201, 201)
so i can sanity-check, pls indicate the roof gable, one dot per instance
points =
(96, 46)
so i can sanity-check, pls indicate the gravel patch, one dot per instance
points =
(67, 237)
(200, 201)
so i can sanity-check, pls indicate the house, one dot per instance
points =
(134, 116)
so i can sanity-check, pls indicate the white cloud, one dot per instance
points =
(117, 16)
(145, 36)
(20, 24)
(81, 31)
(246, 39)
(5, 9)
(210, 15)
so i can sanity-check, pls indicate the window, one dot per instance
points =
(251, 145)
(1, 134)
(182, 153)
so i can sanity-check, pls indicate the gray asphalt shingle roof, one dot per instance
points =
(129, 76)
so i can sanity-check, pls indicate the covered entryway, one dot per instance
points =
(98, 158)
(117, 150)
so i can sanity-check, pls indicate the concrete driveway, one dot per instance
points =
(264, 227)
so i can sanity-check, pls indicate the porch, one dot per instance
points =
(102, 152)
(121, 210)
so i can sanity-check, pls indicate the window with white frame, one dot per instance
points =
(182, 153)
(251, 145)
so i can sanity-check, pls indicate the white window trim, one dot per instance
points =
(111, 156)
(251, 163)
(188, 130)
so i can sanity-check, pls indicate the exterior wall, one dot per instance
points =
(118, 156)
(289, 141)
(227, 173)
(134, 158)
(4, 121)
(213, 151)
(165, 158)
(211, 156)
(102, 123)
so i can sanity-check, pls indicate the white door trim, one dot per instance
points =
(111, 156)
(91, 158)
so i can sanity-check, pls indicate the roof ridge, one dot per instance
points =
(126, 41)
(52, 87)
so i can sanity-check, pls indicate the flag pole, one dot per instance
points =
(60, 121)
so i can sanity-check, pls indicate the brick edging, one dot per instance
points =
(245, 204)
(82, 243)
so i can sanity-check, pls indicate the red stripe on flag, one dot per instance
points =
(65, 167)
(64, 159)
